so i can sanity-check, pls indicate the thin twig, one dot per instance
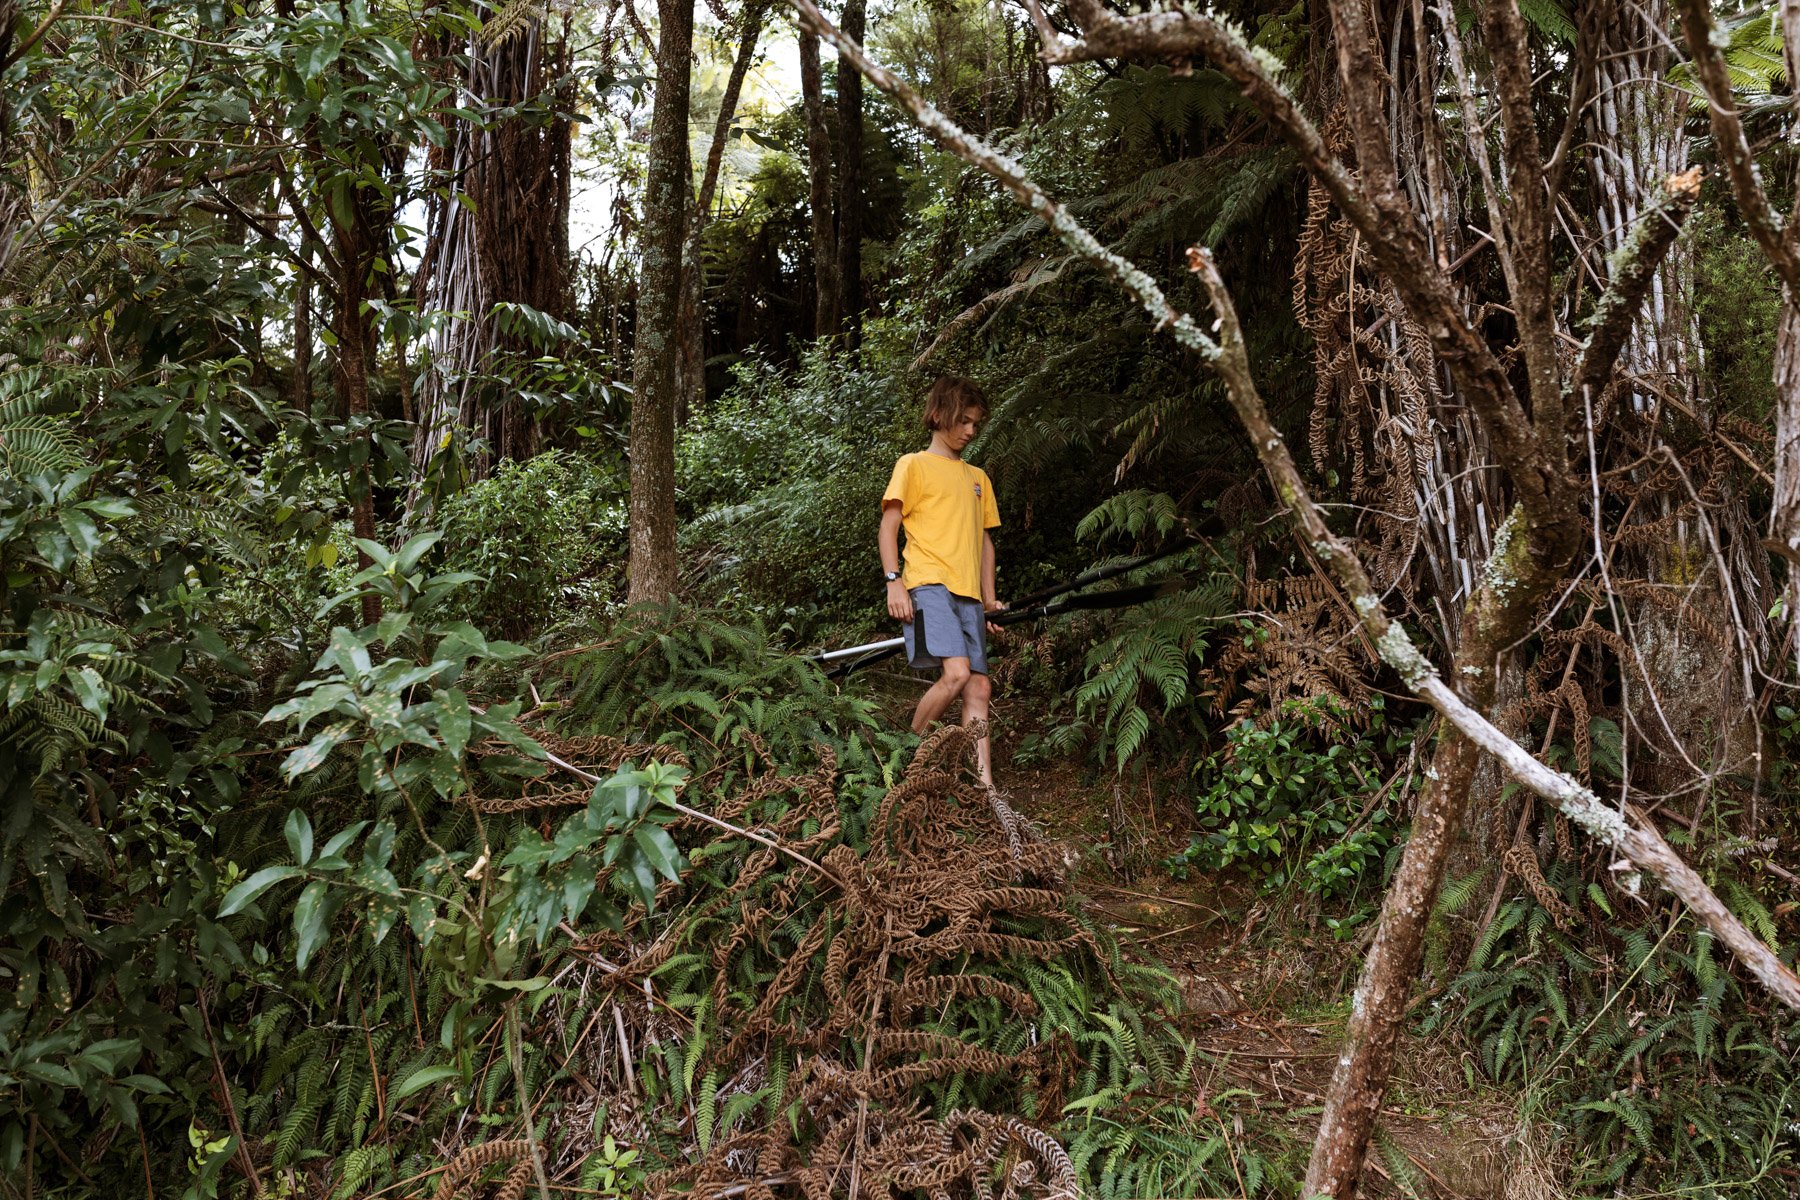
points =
(708, 819)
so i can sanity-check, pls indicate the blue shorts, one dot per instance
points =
(945, 625)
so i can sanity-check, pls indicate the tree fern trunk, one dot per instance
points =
(510, 245)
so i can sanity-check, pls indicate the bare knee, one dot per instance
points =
(956, 675)
(978, 689)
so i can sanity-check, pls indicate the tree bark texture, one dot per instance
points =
(656, 350)
(693, 265)
(850, 180)
(1780, 244)
(828, 299)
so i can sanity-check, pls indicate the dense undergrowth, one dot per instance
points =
(315, 911)
(340, 867)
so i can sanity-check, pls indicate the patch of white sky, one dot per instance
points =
(609, 148)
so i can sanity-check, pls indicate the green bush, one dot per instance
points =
(542, 535)
(1296, 801)
(783, 479)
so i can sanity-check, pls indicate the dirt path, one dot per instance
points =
(1266, 991)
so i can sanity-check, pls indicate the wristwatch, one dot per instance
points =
(890, 576)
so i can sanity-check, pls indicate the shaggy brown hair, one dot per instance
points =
(949, 398)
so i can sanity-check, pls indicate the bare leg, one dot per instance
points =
(935, 702)
(976, 694)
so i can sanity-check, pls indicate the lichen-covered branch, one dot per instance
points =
(1633, 271)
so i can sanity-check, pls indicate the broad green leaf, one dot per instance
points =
(659, 848)
(299, 834)
(241, 895)
(81, 529)
(415, 549)
(348, 652)
(343, 838)
(90, 690)
(305, 707)
(315, 752)
(311, 913)
(423, 1078)
(453, 720)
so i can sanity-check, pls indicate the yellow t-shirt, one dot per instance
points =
(945, 504)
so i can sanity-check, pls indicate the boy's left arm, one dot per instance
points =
(990, 599)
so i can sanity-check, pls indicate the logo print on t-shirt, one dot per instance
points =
(978, 491)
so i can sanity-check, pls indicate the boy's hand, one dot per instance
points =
(900, 605)
(993, 606)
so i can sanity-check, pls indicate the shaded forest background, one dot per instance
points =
(432, 435)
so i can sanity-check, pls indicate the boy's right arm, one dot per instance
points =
(899, 600)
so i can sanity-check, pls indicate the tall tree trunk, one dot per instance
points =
(828, 298)
(1699, 708)
(655, 355)
(850, 180)
(693, 266)
(356, 343)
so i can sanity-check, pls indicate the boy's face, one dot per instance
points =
(962, 431)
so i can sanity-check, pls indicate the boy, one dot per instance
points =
(946, 507)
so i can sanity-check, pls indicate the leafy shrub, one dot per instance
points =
(540, 534)
(784, 475)
(1299, 800)
(1738, 307)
